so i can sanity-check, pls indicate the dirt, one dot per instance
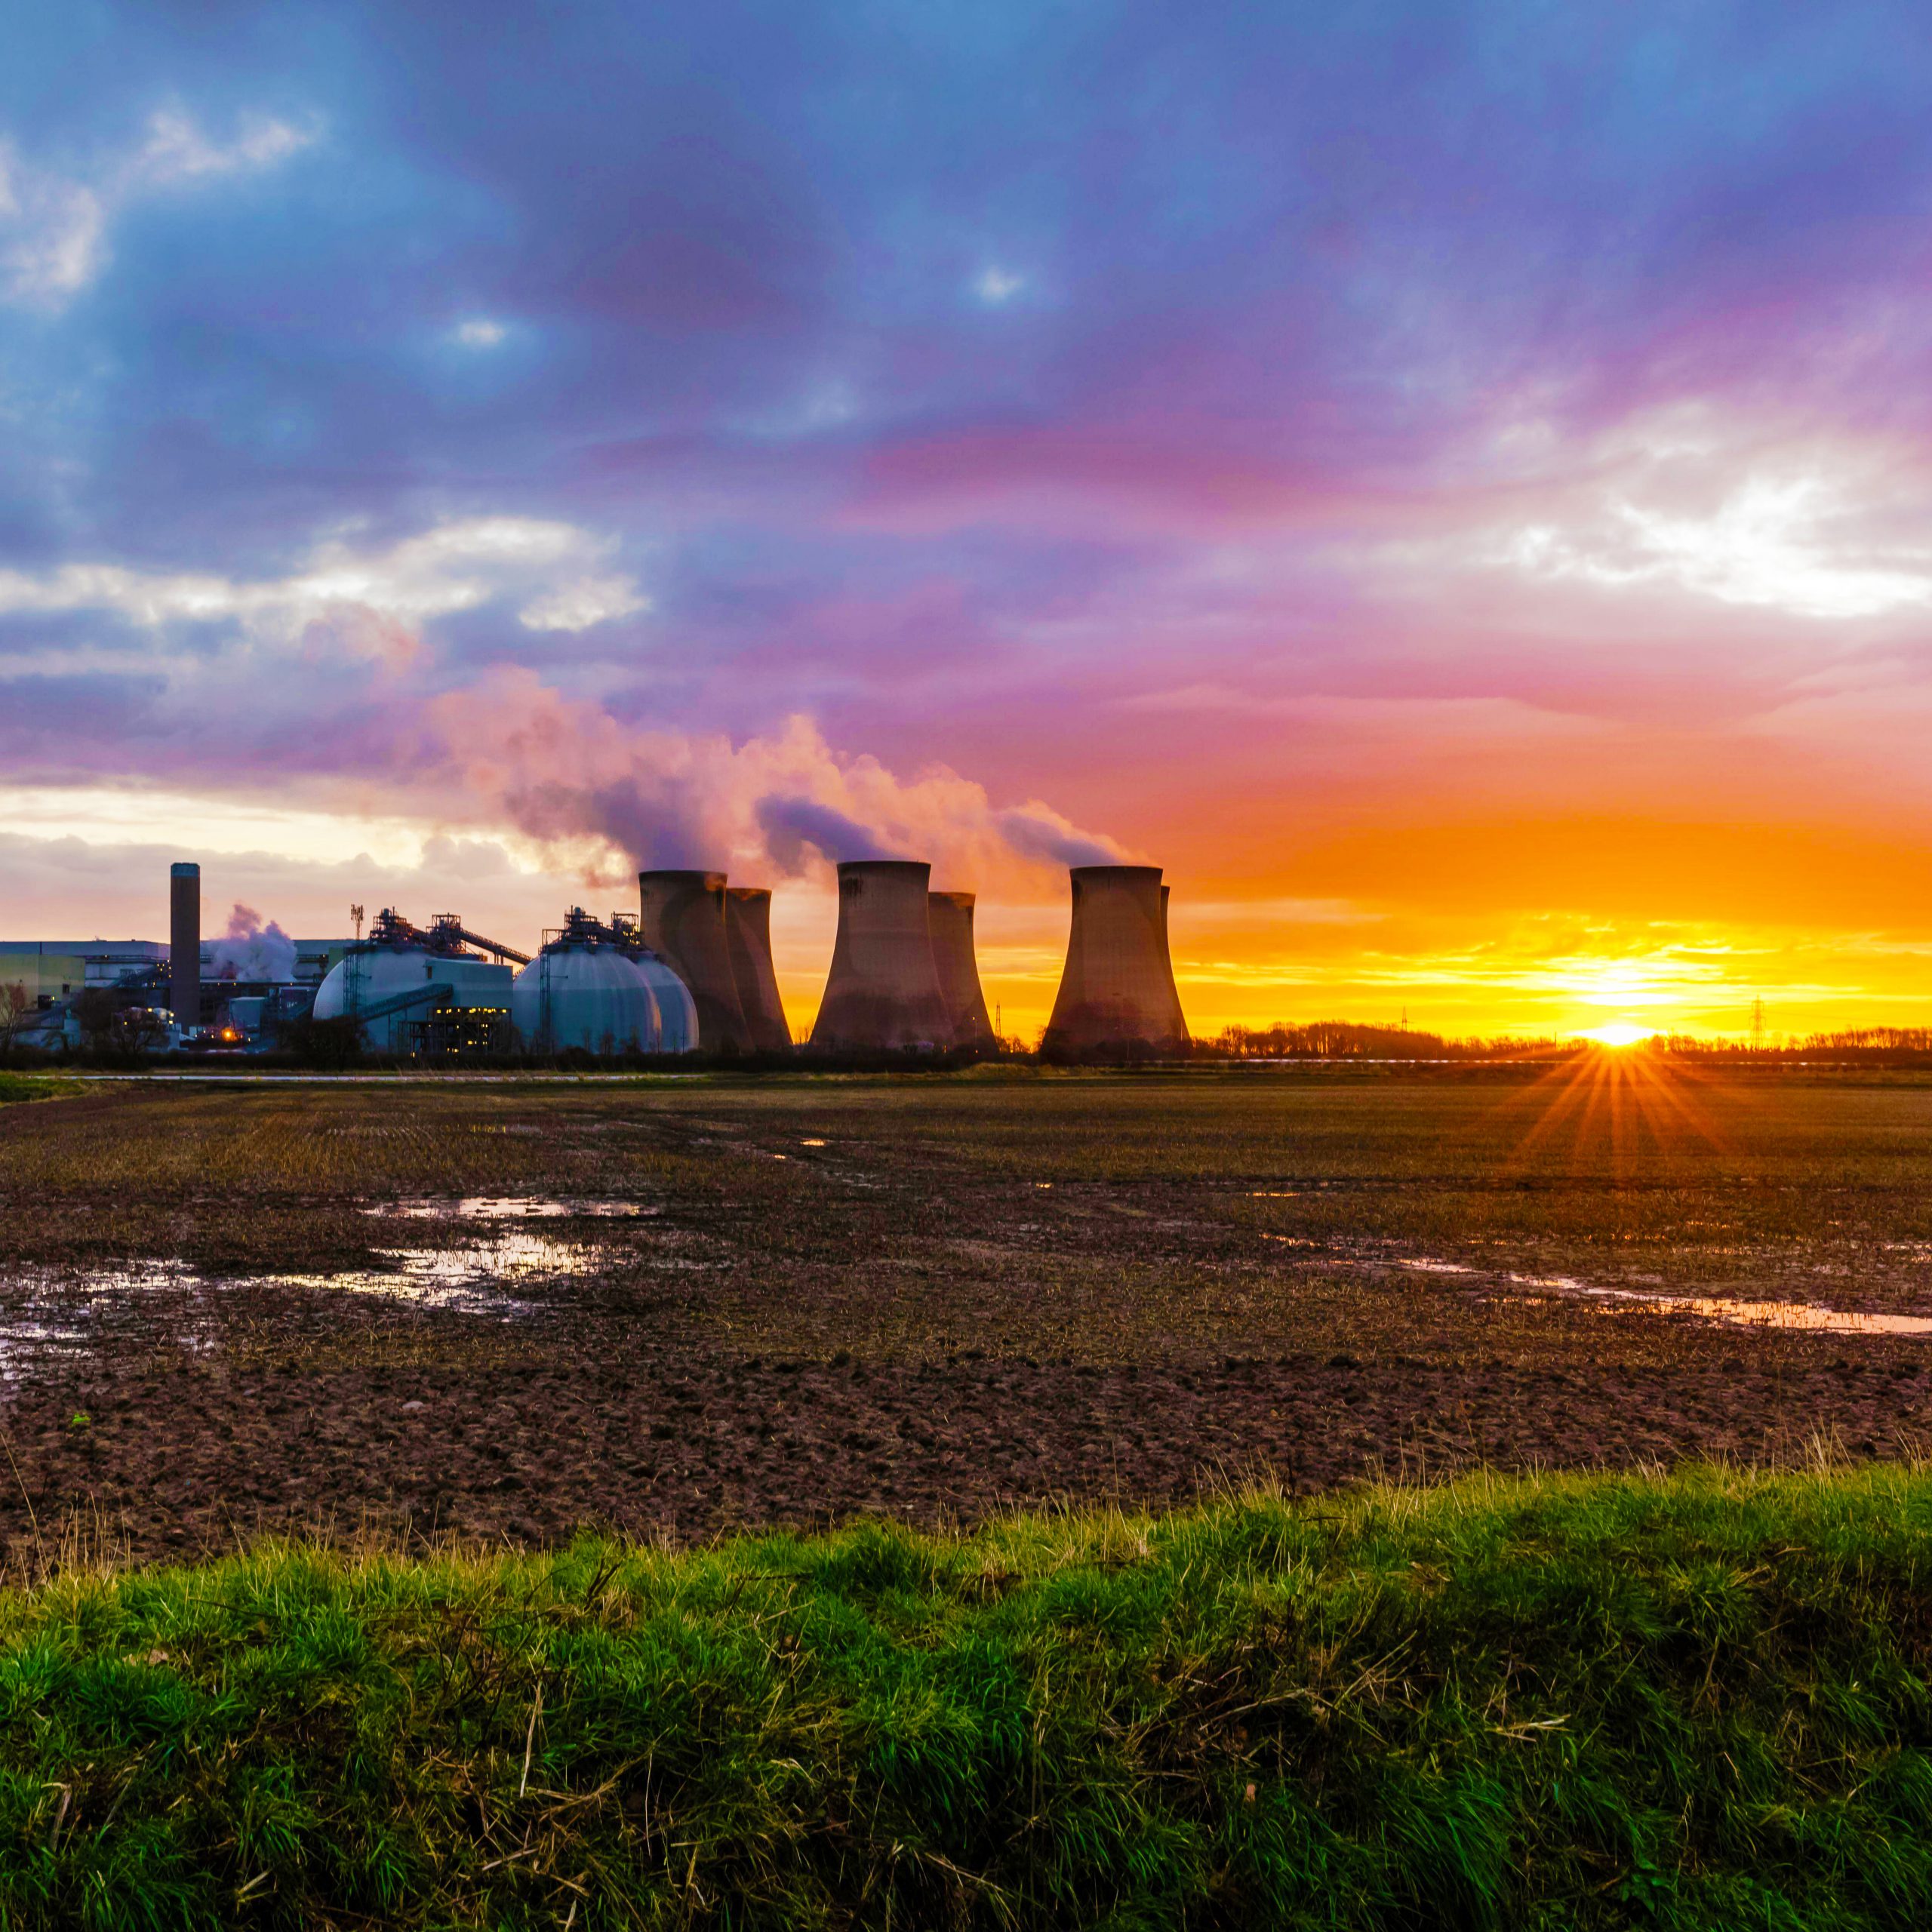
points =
(969, 1297)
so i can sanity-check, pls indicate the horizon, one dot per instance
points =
(1449, 491)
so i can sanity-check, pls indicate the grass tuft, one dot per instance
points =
(1694, 1701)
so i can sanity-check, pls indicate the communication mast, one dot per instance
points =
(1758, 1024)
(355, 920)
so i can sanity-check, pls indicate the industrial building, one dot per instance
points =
(883, 990)
(1117, 988)
(748, 941)
(691, 971)
(596, 988)
(422, 990)
(681, 917)
(949, 923)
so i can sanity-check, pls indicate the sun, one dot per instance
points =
(1616, 1033)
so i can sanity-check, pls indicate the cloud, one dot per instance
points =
(480, 332)
(586, 601)
(370, 599)
(605, 798)
(54, 227)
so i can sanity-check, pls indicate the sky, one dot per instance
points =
(1449, 483)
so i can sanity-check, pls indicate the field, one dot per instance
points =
(513, 1310)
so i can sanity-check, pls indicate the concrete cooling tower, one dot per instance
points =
(949, 921)
(748, 939)
(884, 990)
(1119, 982)
(681, 918)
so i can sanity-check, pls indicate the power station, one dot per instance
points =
(883, 990)
(1117, 987)
(691, 971)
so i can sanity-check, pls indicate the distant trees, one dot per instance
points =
(17, 1008)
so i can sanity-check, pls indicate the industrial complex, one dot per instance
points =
(691, 971)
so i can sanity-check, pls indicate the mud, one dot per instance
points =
(223, 1316)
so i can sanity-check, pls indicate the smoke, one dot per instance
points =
(609, 798)
(249, 950)
(789, 825)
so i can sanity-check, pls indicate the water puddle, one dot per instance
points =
(46, 1314)
(511, 1208)
(1797, 1317)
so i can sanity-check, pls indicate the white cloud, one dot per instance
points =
(576, 606)
(1722, 512)
(370, 600)
(54, 226)
(996, 286)
(480, 332)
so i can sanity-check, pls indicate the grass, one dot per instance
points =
(1694, 1701)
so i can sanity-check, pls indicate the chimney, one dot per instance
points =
(949, 919)
(748, 940)
(883, 990)
(184, 943)
(681, 919)
(1119, 986)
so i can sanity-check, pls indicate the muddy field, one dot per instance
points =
(507, 1309)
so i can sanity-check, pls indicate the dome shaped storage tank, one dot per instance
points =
(677, 1012)
(584, 992)
(399, 981)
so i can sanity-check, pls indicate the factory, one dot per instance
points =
(691, 971)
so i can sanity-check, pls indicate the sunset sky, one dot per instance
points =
(1451, 483)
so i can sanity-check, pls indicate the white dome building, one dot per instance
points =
(395, 980)
(589, 991)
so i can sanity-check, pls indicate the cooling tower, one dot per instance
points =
(1119, 982)
(949, 919)
(883, 990)
(682, 920)
(748, 939)
(184, 943)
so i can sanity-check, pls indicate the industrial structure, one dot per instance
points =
(692, 970)
(949, 924)
(1117, 988)
(596, 988)
(184, 943)
(883, 990)
(748, 939)
(412, 989)
(682, 921)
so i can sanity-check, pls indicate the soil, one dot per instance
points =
(928, 1300)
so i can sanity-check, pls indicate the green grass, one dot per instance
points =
(25, 1087)
(1694, 1701)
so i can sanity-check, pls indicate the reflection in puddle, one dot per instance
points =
(1795, 1314)
(49, 1313)
(1801, 1316)
(511, 1208)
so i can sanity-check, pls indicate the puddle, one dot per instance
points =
(1801, 1317)
(811, 1143)
(511, 1208)
(56, 1313)
(1273, 1194)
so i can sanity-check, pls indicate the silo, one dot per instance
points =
(949, 919)
(748, 939)
(1119, 986)
(681, 918)
(883, 990)
(583, 991)
(184, 943)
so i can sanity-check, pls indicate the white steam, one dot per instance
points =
(609, 798)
